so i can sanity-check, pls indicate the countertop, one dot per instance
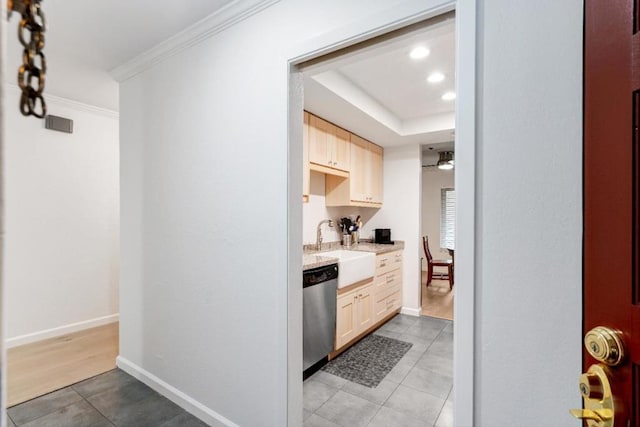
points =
(314, 258)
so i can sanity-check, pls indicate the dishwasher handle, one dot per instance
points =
(319, 275)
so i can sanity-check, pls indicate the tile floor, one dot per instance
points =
(417, 391)
(111, 399)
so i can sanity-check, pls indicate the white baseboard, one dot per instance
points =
(189, 404)
(61, 330)
(411, 311)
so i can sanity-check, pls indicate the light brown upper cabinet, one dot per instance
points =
(363, 186)
(329, 147)
(306, 177)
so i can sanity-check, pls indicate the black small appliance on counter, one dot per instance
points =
(382, 236)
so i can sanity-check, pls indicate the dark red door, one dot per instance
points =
(612, 207)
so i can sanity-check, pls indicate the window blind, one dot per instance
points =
(447, 218)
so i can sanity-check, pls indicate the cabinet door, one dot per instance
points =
(375, 173)
(306, 178)
(358, 172)
(365, 309)
(341, 150)
(322, 136)
(345, 319)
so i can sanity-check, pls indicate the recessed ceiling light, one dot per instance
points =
(449, 96)
(419, 52)
(435, 77)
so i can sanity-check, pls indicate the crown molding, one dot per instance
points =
(220, 20)
(70, 103)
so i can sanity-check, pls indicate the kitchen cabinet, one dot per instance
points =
(329, 147)
(354, 314)
(363, 186)
(306, 172)
(362, 308)
(387, 285)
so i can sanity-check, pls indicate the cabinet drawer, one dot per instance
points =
(387, 304)
(389, 261)
(382, 293)
(388, 280)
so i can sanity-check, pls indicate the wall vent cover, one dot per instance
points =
(58, 123)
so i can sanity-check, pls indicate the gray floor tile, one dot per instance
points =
(446, 415)
(76, 414)
(399, 324)
(417, 340)
(9, 422)
(315, 394)
(433, 362)
(435, 321)
(442, 348)
(119, 398)
(317, 421)
(400, 371)
(415, 353)
(419, 347)
(426, 330)
(388, 334)
(449, 328)
(107, 381)
(149, 412)
(392, 327)
(185, 419)
(387, 417)
(378, 394)
(41, 406)
(404, 319)
(329, 379)
(416, 404)
(306, 414)
(348, 410)
(429, 382)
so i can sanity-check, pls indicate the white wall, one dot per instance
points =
(402, 212)
(529, 212)
(433, 181)
(67, 76)
(204, 209)
(316, 210)
(62, 220)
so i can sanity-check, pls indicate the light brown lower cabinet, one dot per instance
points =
(354, 314)
(364, 308)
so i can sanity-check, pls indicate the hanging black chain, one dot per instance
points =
(31, 74)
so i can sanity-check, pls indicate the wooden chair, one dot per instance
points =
(436, 263)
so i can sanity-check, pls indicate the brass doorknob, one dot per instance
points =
(599, 410)
(597, 415)
(605, 345)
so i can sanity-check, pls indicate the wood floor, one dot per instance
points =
(48, 365)
(437, 299)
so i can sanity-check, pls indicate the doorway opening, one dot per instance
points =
(368, 111)
(61, 247)
(438, 229)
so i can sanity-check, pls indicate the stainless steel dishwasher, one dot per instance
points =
(319, 287)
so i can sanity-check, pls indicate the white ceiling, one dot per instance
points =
(85, 39)
(109, 33)
(380, 93)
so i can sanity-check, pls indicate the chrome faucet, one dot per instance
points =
(319, 232)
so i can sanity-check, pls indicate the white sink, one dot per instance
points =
(353, 266)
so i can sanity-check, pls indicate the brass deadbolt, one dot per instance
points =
(605, 345)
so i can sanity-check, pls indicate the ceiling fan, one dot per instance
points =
(446, 161)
